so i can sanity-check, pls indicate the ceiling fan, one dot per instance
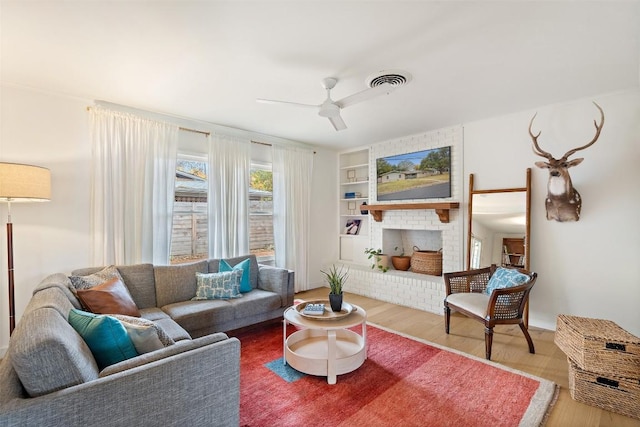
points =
(331, 109)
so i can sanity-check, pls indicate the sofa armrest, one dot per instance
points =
(177, 348)
(200, 386)
(278, 280)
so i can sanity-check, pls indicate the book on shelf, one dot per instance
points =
(352, 195)
(313, 309)
(352, 227)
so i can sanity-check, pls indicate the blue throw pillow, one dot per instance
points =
(106, 337)
(245, 266)
(223, 285)
(505, 278)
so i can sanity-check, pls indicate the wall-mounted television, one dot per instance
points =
(420, 175)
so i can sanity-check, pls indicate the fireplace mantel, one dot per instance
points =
(441, 208)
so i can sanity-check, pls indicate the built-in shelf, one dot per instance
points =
(441, 208)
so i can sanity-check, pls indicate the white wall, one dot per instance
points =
(52, 131)
(591, 267)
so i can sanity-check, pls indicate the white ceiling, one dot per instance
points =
(210, 60)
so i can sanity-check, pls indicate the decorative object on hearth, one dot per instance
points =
(380, 261)
(336, 277)
(20, 183)
(426, 262)
(401, 262)
(563, 202)
(364, 212)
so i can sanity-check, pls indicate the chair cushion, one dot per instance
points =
(473, 302)
(506, 278)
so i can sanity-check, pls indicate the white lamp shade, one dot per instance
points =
(24, 183)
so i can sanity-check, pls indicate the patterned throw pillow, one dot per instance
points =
(88, 282)
(223, 285)
(245, 267)
(145, 335)
(105, 336)
(505, 278)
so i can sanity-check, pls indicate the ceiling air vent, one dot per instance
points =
(393, 77)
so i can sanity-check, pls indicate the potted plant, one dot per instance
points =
(380, 260)
(400, 262)
(336, 277)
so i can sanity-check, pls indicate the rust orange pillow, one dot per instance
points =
(110, 297)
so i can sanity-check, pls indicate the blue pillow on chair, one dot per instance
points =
(505, 278)
(245, 282)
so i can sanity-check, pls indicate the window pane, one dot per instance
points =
(261, 215)
(189, 238)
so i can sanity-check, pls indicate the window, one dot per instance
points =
(189, 238)
(261, 242)
(476, 252)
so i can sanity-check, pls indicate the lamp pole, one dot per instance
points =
(12, 304)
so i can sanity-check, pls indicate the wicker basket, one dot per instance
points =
(599, 346)
(426, 262)
(615, 394)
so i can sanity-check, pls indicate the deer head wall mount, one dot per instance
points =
(563, 202)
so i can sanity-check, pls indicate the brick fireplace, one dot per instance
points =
(414, 227)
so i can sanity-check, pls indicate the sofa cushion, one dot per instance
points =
(255, 302)
(106, 337)
(38, 358)
(110, 297)
(245, 266)
(214, 267)
(138, 278)
(194, 315)
(177, 283)
(91, 280)
(62, 282)
(223, 285)
(145, 335)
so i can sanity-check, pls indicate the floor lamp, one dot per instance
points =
(20, 183)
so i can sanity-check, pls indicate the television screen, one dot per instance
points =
(420, 175)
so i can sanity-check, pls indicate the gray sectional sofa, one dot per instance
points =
(49, 376)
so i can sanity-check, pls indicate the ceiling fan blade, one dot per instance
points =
(337, 122)
(295, 104)
(383, 89)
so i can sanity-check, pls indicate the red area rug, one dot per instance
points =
(403, 382)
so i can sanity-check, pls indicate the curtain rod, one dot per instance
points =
(209, 133)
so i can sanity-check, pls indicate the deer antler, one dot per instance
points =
(536, 148)
(595, 138)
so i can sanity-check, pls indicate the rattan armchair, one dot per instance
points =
(466, 295)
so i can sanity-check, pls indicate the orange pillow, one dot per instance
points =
(111, 297)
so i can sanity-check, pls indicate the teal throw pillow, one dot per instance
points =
(505, 278)
(106, 337)
(245, 266)
(223, 285)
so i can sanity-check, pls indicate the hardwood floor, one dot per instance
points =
(509, 348)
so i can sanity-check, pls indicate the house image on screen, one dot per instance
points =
(410, 174)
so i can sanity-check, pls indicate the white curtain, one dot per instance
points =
(228, 197)
(132, 188)
(292, 172)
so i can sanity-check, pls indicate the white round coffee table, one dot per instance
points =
(325, 347)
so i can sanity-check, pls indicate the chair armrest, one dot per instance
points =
(196, 387)
(467, 281)
(509, 303)
(278, 280)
